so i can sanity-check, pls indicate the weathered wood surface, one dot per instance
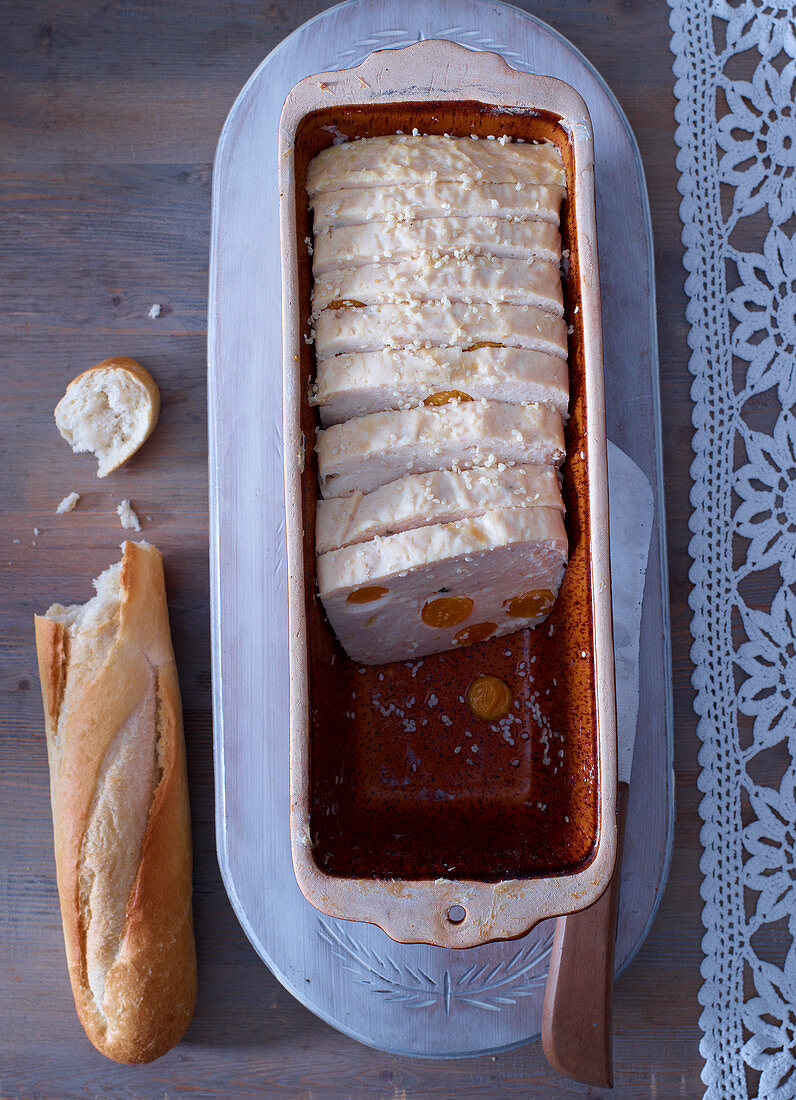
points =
(109, 119)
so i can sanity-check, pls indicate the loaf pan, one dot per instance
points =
(406, 811)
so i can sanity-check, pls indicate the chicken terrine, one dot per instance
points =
(441, 347)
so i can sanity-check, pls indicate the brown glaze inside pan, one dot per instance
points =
(404, 782)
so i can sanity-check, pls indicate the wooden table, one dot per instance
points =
(110, 115)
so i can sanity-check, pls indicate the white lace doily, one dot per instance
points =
(735, 82)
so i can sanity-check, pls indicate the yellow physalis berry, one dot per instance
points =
(530, 604)
(446, 611)
(489, 698)
(478, 632)
(367, 595)
(346, 303)
(446, 396)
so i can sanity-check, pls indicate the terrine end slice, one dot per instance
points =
(441, 587)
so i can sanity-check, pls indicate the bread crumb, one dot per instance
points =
(127, 516)
(36, 531)
(68, 503)
(16, 542)
(155, 310)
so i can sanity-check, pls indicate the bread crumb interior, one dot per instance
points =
(96, 612)
(106, 412)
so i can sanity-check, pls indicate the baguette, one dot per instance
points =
(121, 820)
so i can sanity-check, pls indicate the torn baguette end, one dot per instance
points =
(111, 696)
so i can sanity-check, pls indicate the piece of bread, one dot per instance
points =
(110, 410)
(128, 517)
(441, 587)
(68, 503)
(430, 278)
(435, 324)
(440, 496)
(399, 378)
(120, 809)
(423, 158)
(363, 454)
(361, 205)
(354, 245)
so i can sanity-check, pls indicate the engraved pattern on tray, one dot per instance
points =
(397, 39)
(485, 986)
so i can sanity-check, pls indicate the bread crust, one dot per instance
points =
(150, 987)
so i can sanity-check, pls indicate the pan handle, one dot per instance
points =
(578, 1000)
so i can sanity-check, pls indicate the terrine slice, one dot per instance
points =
(441, 587)
(362, 454)
(355, 245)
(407, 159)
(426, 324)
(430, 278)
(361, 205)
(440, 496)
(358, 384)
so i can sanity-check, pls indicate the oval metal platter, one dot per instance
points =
(411, 999)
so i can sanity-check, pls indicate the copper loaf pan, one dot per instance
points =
(405, 809)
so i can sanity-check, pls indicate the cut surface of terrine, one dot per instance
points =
(394, 378)
(444, 586)
(362, 454)
(440, 496)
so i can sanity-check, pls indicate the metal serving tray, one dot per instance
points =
(410, 998)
